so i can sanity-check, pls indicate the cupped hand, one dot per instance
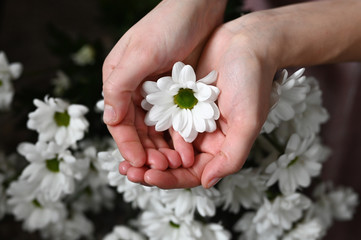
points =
(245, 81)
(173, 31)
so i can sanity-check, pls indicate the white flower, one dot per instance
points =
(53, 169)
(84, 56)
(72, 228)
(281, 212)
(291, 93)
(35, 211)
(55, 119)
(245, 188)
(123, 233)
(214, 231)
(186, 201)
(297, 165)
(310, 230)
(8, 72)
(162, 224)
(182, 102)
(138, 195)
(61, 83)
(248, 229)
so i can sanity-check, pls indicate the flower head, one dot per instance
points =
(182, 102)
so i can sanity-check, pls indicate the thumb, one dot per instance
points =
(121, 82)
(234, 152)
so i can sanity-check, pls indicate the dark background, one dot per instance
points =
(25, 37)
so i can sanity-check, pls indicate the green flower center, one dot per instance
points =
(185, 98)
(36, 203)
(173, 224)
(53, 165)
(62, 118)
(292, 162)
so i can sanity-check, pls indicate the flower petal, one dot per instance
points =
(166, 120)
(187, 74)
(211, 125)
(159, 98)
(177, 67)
(203, 93)
(198, 122)
(179, 119)
(150, 87)
(210, 78)
(204, 109)
(188, 125)
(164, 83)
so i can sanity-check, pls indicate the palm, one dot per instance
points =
(243, 103)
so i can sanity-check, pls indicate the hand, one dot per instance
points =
(245, 81)
(173, 31)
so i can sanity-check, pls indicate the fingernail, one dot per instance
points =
(213, 182)
(109, 115)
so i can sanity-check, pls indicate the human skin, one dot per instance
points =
(247, 52)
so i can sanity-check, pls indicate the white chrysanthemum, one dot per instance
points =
(281, 212)
(310, 230)
(182, 102)
(248, 229)
(54, 119)
(214, 231)
(84, 56)
(61, 83)
(53, 169)
(8, 72)
(297, 165)
(162, 224)
(139, 195)
(245, 188)
(123, 233)
(290, 91)
(307, 120)
(35, 211)
(186, 201)
(72, 228)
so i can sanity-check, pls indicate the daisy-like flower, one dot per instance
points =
(287, 93)
(84, 56)
(297, 165)
(71, 228)
(161, 223)
(214, 231)
(33, 209)
(52, 168)
(186, 201)
(182, 102)
(8, 72)
(281, 212)
(310, 230)
(123, 233)
(55, 119)
(139, 195)
(245, 188)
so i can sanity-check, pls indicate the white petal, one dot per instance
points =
(210, 78)
(150, 87)
(216, 114)
(156, 112)
(199, 123)
(179, 120)
(16, 70)
(190, 138)
(159, 98)
(166, 121)
(146, 105)
(187, 74)
(188, 125)
(204, 110)
(211, 125)
(204, 92)
(164, 83)
(177, 67)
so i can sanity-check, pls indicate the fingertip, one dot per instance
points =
(123, 167)
(174, 159)
(156, 159)
(109, 116)
(136, 175)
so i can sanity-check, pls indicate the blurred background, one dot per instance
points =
(41, 34)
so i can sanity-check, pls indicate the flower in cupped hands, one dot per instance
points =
(181, 102)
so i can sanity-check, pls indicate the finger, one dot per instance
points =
(156, 159)
(184, 149)
(127, 139)
(174, 159)
(136, 174)
(123, 167)
(180, 177)
(122, 81)
(230, 159)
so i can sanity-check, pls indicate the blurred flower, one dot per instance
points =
(214, 231)
(61, 83)
(310, 230)
(84, 56)
(123, 233)
(186, 201)
(52, 168)
(290, 91)
(182, 102)
(56, 119)
(297, 165)
(245, 188)
(35, 211)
